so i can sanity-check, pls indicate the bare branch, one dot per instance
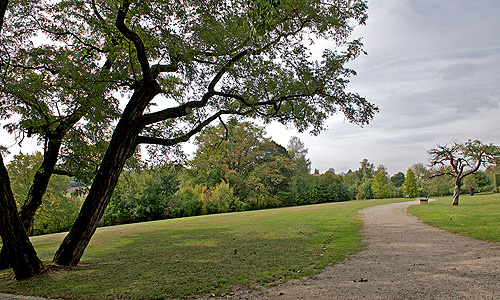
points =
(182, 138)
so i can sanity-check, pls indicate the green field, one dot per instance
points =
(476, 216)
(188, 257)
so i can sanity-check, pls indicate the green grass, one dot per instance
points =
(188, 257)
(476, 216)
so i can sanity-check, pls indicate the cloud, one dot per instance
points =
(432, 68)
(458, 70)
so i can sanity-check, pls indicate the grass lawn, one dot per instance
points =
(477, 216)
(189, 257)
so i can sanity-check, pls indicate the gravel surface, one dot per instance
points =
(405, 259)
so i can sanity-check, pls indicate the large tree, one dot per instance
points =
(200, 60)
(464, 158)
(51, 92)
(240, 154)
(16, 244)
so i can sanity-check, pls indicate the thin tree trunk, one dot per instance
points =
(40, 183)
(23, 258)
(120, 148)
(456, 193)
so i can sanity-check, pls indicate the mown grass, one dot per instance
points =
(477, 216)
(189, 257)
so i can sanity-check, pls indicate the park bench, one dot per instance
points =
(424, 201)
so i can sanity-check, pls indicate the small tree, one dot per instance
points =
(464, 159)
(380, 185)
(410, 188)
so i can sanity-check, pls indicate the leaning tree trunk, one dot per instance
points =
(36, 192)
(40, 182)
(22, 256)
(120, 147)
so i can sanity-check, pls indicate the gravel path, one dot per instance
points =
(405, 259)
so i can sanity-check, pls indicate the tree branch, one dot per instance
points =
(136, 40)
(182, 138)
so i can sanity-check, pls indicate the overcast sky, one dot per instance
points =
(433, 70)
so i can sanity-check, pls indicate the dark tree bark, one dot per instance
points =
(3, 9)
(23, 258)
(40, 183)
(122, 144)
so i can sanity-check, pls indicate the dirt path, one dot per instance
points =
(405, 259)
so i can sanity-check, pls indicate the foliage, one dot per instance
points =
(21, 170)
(253, 165)
(365, 190)
(380, 184)
(57, 213)
(439, 185)
(365, 171)
(398, 179)
(410, 188)
(185, 203)
(330, 188)
(59, 209)
(141, 196)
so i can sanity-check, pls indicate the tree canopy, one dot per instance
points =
(177, 66)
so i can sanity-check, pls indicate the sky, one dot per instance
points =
(433, 69)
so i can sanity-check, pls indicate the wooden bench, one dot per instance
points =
(424, 201)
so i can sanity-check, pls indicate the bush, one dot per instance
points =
(221, 200)
(185, 203)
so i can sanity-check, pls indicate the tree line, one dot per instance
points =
(235, 168)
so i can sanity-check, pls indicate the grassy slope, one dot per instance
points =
(182, 258)
(476, 216)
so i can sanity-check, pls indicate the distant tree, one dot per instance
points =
(296, 147)
(398, 179)
(365, 189)
(240, 154)
(464, 158)
(439, 185)
(477, 181)
(421, 173)
(380, 185)
(301, 187)
(365, 170)
(331, 188)
(410, 188)
(141, 195)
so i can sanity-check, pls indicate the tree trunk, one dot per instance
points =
(36, 192)
(456, 193)
(120, 148)
(23, 258)
(40, 183)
